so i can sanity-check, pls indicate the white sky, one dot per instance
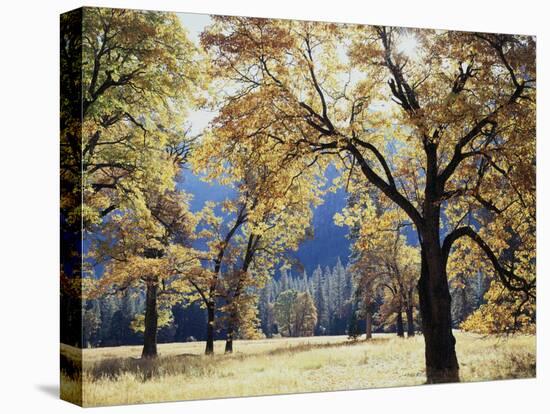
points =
(195, 23)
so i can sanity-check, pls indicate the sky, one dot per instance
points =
(195, 23)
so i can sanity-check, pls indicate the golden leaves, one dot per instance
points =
(140, 74)
(503, 313)
(295, 97)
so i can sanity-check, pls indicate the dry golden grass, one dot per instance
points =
(284, 365)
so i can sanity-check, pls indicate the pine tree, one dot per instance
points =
(348, 292)
(304, 283)
(292, 282)
(274, 290)
(338, 273)
(467, 295)
(329, 296)
(118, 323)
(108, 306)
(284, 282)
(264, 309)
(320, 301)
(91, 323)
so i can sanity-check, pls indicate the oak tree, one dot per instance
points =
(445, 132)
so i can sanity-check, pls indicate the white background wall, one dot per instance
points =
(29, 204)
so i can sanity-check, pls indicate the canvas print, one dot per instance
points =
(254, 206)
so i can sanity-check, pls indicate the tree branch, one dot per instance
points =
(508, 278)
(390, 191)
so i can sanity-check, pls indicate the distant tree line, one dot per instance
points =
(327, 302)
(117, 320)
(332, 293)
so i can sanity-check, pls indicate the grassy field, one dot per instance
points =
(277, 366)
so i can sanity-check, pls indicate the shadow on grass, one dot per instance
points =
(190, 365)
(309, 347)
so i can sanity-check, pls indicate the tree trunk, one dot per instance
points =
(211, 309)
(232, 325)
(399, 324)
(151, 322)
(410, 321)
(368, 325)
(435, 310)
(231, 328)
(229, 343)
(230, 336)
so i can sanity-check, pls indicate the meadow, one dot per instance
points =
(282, 365)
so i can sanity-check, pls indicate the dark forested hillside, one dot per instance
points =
(329, 241)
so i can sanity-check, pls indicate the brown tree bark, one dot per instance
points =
(233, 315)
(368, 325)
(433, 287)
(151, 322)
(229, 342)
(435, 309)
(410, 321)
(399, 324)
(211, 311)
(232, 327)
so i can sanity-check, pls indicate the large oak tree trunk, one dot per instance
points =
(151, 322)
(399, 324)
(368, 325)
(433, 287)
(435, 309)
(211, 310)
(410, 321)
